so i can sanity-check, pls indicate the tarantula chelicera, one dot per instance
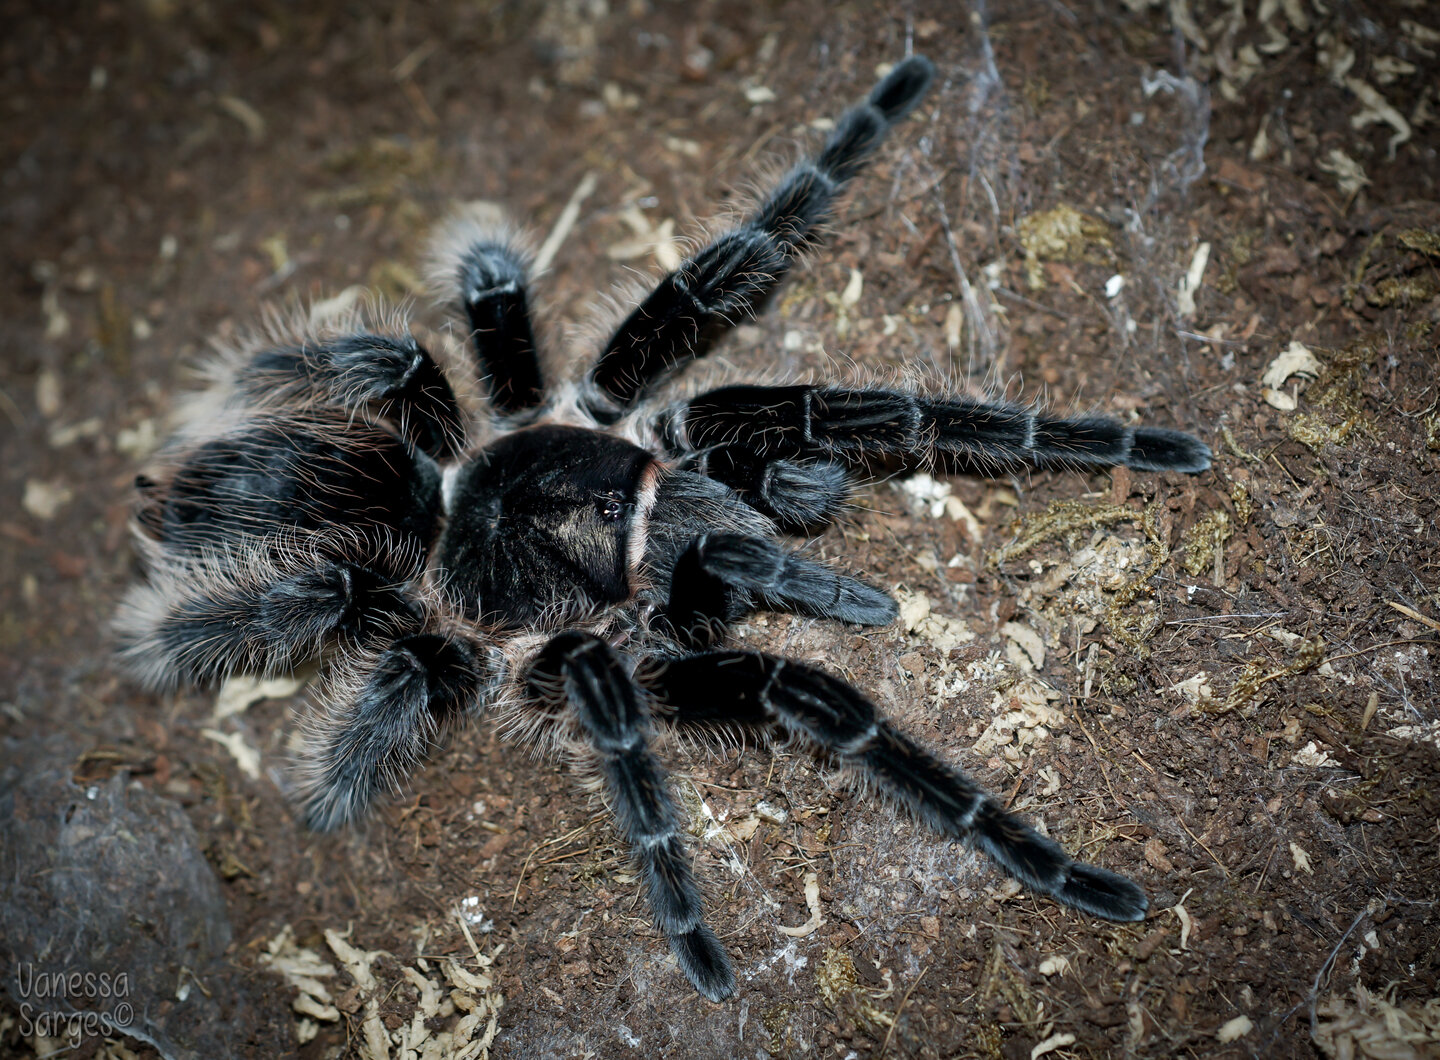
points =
(574, 570)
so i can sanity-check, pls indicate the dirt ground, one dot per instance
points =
(1221, 685)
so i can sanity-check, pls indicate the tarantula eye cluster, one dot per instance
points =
(322, 499)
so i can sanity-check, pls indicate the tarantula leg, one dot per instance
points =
(785, 422)
(260, 611)
(381, 714)
(749, 688)
(800, 496)
(590, 677)
(484, 273)
(394, 377)
(300, 472)
(728, 279)
(721, 576)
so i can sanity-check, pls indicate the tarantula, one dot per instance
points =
(575, 572)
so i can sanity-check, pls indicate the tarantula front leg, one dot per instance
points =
(587, 678)
(728, 279)
(719, 577)
(752, 689)
(826, 423)
(481, 270)
(391, 375)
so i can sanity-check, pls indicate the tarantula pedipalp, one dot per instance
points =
(575, 572)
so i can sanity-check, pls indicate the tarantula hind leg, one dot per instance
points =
(728, 279)
(721, 576)
(261, 609)
(381, 711)
(587, 678)
(845, 424)
(750, 688)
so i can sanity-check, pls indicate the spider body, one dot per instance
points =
(543, 512)
(575, 572)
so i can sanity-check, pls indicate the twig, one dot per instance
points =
(898, 1009)
(1410, 612)
(1324, 968)
(565, 222)
(1224, 618)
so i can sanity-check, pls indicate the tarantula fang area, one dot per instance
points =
(567, 558)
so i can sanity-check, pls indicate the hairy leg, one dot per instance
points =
(722, 576)
(482, 270)
(799, 495)
(586, 675)
(381, 712)
(728, 279)
(264, 608)
(392, 376)
(804, 421)
(751, 688)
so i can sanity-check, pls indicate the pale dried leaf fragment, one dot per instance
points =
(245, 114)
(47, 389)
(1420, 35)
(1348, 173)
(812, 899)
(44, 500)
(1377, 109)
(374, 1040)
(768, 811)
(62, 436)
(1297, 359)
(1311, 755)
(1026, 649)
(854, 287)
(140, 441)
(357, 962)
(1301, 859)
(1190, 282)
(914, 609)
(242, 691)
(1186, 924)
(1278, 399)
(1055, 966)
(954, 326)
(743, 828)
(246, 757)
(308, 1005)
(329, 310)
(1233, 1030)
(1196, 690)
(1390, 68)
(1050, 1044)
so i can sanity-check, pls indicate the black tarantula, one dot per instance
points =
(576, 570)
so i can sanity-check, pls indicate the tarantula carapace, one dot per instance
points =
(575, 571)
